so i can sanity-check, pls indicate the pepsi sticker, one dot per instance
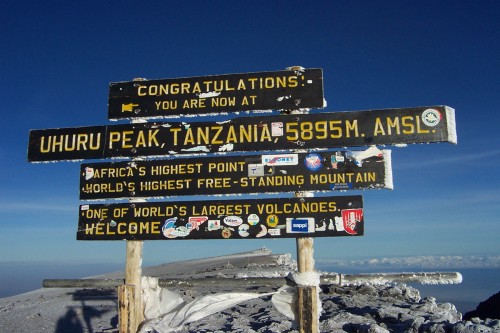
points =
(313, 162)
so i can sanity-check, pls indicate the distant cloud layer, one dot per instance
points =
(427, 262)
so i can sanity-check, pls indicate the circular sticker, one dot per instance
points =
(226, 232)
(243, 230)
(313, 161)
(272, 221)
(253, 219)
(431, 117)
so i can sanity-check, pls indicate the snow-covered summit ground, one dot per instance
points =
(361, 308)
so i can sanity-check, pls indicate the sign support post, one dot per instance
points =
(126, 299)
(133, 277)
(307, 307)
(307, 296)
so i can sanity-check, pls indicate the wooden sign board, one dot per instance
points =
(224, 219)
(282, 172)
(279, 90)
(272, 133)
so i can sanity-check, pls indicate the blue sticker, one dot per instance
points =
(300, 225)
(342, 186)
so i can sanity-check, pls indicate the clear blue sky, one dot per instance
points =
(58, 57)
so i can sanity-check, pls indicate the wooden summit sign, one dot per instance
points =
(223, 219)
(280, 90)
(271, 173)
(270, 133)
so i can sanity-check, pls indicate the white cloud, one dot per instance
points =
(426, 262)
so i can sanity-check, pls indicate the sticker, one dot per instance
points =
(213, 225)
(331, 226)
(282, 159)
(313, 161)
(274, 232)
(272, 221)
(323, 226)
(169, 233)
(243, 230)
(226, 232)
(85, 207)
(196, 221)
(262, 232)
(256, 170)
(253, 219)
(181, 231)
(277, 129)
(350, 219)
(342, 186)
(300, 225)
(336, 159)
(168, 228)
(431, 117)
(233, 221)
(89, 173)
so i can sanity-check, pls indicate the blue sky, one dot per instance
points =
(58, 57)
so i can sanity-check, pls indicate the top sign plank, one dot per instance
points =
(272, 133)
(279, 90)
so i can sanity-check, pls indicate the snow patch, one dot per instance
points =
(309, 279)
(451, 125)
(208, 94)
(197, 149)
(389, 184)
(167, 312)
(227, 147)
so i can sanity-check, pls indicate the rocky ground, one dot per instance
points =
(362, 308)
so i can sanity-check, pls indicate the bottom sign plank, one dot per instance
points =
(224, 219)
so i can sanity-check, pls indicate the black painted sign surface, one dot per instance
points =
(224, 219)
(268, 173)
(279, 90)
(271, 133)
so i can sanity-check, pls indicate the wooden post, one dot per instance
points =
(307, 307)
(133, 276)
(126, 299)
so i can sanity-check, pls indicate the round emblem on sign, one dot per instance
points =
(313, 161)
(226, 233)
(272, 221)
(243, 230)
(431, 117)
(253, 219)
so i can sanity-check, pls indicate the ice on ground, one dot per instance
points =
(365, 307)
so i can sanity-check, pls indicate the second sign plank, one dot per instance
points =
(285, 172)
